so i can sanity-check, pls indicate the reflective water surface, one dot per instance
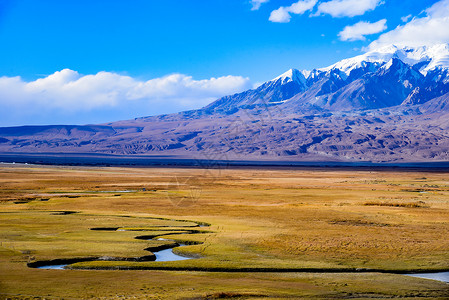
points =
(168, 255)
(441, 276)
(53, 267)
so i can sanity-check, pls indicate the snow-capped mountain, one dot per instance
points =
(387, 77)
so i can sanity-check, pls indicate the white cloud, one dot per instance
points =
(406, 18)
(439, 9)
(70, 93)
(347, 8)
(282, 14)
(429, 30)
(360, 29)
(257, 3)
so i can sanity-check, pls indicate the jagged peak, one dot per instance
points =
(292, 75)
(398, 66)
(393, 62)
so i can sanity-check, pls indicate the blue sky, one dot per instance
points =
(97, 61)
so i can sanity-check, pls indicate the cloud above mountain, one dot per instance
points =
(431, 29)
(335, 8)
(283, 13)
(347, 8)
(359, 30)
(70, 93)
(257, 3)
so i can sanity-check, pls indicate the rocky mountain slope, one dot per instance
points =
(387, 105)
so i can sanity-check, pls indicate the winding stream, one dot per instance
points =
(168, 255)
(165, 254)
(161, 255)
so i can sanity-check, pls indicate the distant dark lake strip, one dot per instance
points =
(102, 160)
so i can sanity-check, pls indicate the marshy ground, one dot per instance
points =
(271, 232)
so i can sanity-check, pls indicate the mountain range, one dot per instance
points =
(387, 105)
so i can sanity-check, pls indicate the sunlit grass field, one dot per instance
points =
(275, 233)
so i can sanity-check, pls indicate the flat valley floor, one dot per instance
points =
(252, 233)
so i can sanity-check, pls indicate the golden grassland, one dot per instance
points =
(272, 220)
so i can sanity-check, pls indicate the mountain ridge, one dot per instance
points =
(386, 105)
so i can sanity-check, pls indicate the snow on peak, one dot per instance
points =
(388, 64)
(400, 68)
(431, 57)
(424, 58)
(439, 55)
(292, 75)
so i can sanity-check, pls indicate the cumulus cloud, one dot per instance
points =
(71, 93)
(347, 8)
(257, 3)
(282, 14)
(431, 29)
(358, 31)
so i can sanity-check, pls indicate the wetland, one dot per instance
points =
(249, 233)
